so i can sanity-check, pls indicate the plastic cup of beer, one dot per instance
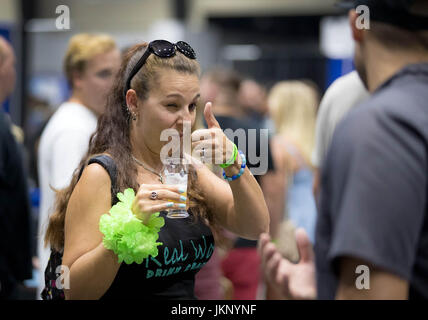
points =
(176, 173)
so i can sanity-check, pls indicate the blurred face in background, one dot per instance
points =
(7, 69)
(253, 97)
(95, 82)
(209, 90)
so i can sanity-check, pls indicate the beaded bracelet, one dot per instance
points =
(241, 171)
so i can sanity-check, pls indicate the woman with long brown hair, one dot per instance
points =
(157, 88)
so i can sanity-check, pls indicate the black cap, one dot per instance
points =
(395, 12)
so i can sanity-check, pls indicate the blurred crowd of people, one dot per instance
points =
(356, 189)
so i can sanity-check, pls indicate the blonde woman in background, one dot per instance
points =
(91, 63)
(293, 107)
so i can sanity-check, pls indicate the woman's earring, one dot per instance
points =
(133, 115)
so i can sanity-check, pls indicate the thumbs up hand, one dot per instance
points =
(211, 145)
(209, 116)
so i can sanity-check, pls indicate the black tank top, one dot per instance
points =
(187, 246)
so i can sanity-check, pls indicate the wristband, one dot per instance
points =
(126, 235)
(241, 171)
(232, 159)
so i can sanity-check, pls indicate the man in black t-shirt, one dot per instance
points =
(372, 230)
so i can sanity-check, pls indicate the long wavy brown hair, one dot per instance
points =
(113, 137)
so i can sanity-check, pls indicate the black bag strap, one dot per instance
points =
(109, 165)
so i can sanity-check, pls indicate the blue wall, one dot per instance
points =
(337, 68)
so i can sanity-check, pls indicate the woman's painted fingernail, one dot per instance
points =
(181, 190)
(182, 205)
(170, 204)
(183, 198)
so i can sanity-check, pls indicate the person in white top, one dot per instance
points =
(91, 64)
(344, 93)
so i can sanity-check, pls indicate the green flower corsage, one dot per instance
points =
(126, 235)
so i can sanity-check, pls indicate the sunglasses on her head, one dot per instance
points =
(162, 49)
